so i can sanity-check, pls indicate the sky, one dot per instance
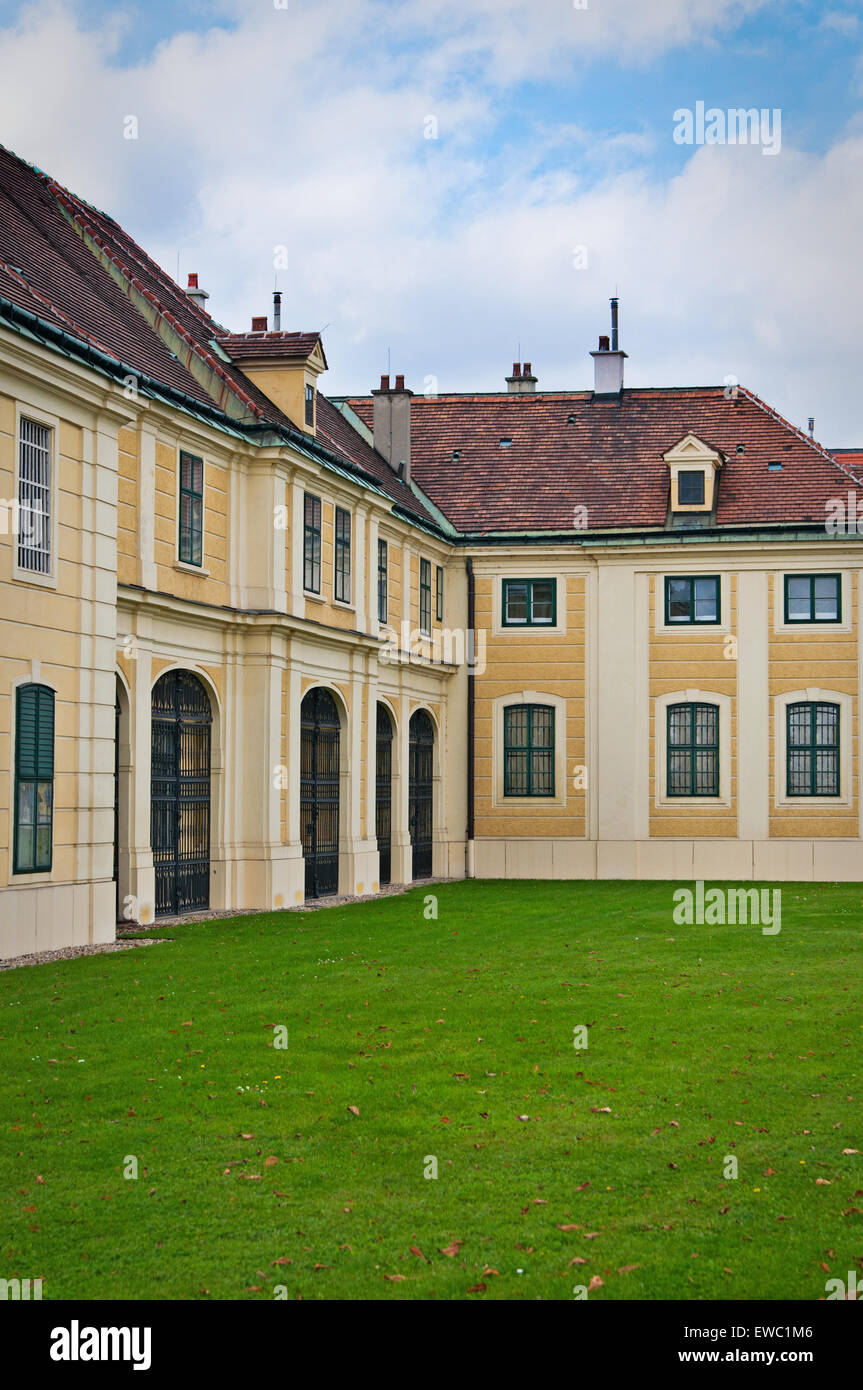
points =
(446, 186)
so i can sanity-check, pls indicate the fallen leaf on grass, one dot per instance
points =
(283, 1260)
(354, 1109)
(595, 1283)
(415, 1250)
(627, 1269)
(577, 1260)
(395, 1278)
(268, 1162)
(478, 1288)
(452, 1249)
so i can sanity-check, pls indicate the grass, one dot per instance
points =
(704, 1041)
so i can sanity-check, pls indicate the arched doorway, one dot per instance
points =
(319, 791)
(180, 793)
(420, 759)
(384, 793)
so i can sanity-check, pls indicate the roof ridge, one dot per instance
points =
(795, 429)
(212, 362)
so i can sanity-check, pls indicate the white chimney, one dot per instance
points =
(608, 362)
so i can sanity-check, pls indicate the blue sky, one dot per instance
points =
(304, 128)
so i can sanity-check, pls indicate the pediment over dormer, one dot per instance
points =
(693, 466)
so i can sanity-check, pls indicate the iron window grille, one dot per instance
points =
(528, 750)
(439, 593)
(693, 750)
(191, 543)
(382, 581)
(312, 544)
(34, 779)
(813, 598)
(425, 597)
(34, 497)
(812, 749)
(529, 603)
(692, 599)
(343, 555)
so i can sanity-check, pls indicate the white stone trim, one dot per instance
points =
(660, 728)
(523, 803)
(780, 737)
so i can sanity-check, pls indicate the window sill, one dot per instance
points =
(40, 581)
(341, 603)
(186, 568)
(313, 596)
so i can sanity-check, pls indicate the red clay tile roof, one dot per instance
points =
(49, 270)
(248, 347)
(568, 450)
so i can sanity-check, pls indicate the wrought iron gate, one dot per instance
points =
(319, 792)
(420, 753)
(384, 794)
(180, 793)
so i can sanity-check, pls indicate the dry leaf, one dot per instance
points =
(595, 1283)
(354, 1109)
(453, 1248)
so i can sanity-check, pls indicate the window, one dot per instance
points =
(425, 597)
(529, 602)
(693, 750)
(382, 581)
(528, 750)
(813, 598)
(34, 498)
(310, 405)
(343, 555)
(690, 487)
(438, 600)
(812, 749)
(34, 778)
(692, 600)
(312, 544)
(191, 509)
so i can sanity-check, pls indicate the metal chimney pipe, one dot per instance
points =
(811, 426)
(277, 311)
(614, 342)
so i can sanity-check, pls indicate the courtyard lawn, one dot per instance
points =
(412, 1038)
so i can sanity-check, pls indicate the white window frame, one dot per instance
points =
(660, 728)
(23, 412)
(813, 694)
(537, 804)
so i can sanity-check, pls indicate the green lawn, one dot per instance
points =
(704, 1041)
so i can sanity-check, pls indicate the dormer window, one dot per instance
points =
(693, 468)
(690, 487)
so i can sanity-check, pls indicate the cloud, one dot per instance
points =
(307, 128)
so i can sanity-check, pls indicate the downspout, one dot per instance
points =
(471, 699)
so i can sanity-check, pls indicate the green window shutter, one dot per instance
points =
(191, 509)
(34, 779)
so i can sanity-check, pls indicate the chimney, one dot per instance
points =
(522, 382)
(811, 426)
(392, 425)
(259, 325)
(277, 311)
(199, 296)
(608, 363)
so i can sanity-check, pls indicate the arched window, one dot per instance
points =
(812, 749)
(34, 778)
(528, 750)
(693, 750)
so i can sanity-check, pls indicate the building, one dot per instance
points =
(257, 645)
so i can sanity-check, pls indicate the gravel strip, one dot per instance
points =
(125, 941)
(70, 952)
